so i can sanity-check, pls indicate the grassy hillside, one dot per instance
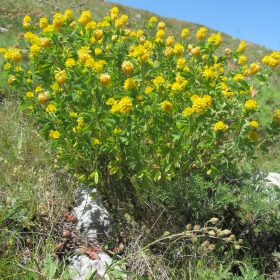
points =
(35, 193)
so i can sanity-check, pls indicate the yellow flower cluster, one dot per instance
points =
(43, 23)
(43, 97)
(60, 76)
(105, 79)
(95, 142)
(120, 22)
(34, 50)
(254, 124)
(166, 106)
(242, 59)
(276, 117)
(215, 39)
(253, 136)
(127, 67)
(54, 134)
(84, 54)
(184, 33)
(13, 54)
(251, 104)
(188, 111)
(201, 33)
(159, 81)
(209, 72)
(130, 84)
(124, 106)
(58, 19)
(219, 126)
(201, 104)
(26, 22)
(242, 47)
(70, 62)
(273, 60)
(85, 17)
(51, 108)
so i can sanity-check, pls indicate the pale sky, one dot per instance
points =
(256, 21)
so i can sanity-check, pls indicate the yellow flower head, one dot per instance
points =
(60, 76)
(15, 55)
(200, 104)
(153, 19)
(168, 51)
(242, 47)
(68, 14)
(276, 117)
(242, 59)
(254, 124)
(85, 17)
(209, 72)
(166, 106)
(227, 51)
(127, 67)
(251, 105)
(195, 51)
(130, 84)
(98, 34)
(110, 101)
(45, 42)
(54, 134)
(29, 94)
(38, 89)
(253, 136)
(26, 22)
(58, 21)
(148, 89)
(170, 40)
(201, 33)
(254, 68)
(51, 108)
(159, 81)
(125, 105)
(160, 34)
(114, 13)
(215, 39)
(219, 126)
(185, 33)
(70, 62)
(73, 115)
(34, 50)
(81, 122)
(11, 79)
(188, 111)
(105, 79)
(43, 97)
(161, 25)
(43, 22)
(178, 49)
(117, 130)
(181, 63)
(95, 142)
(238, 77)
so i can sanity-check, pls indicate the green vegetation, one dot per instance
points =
(160, 156)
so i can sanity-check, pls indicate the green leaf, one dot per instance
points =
(147, 181)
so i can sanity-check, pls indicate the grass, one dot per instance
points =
(34, 192)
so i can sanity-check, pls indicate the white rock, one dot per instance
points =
(93, 223)
(2, 29)
(274, 179)
(93, 219)
(82, 267)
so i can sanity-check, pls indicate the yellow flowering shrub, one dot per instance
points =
(135, 103)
